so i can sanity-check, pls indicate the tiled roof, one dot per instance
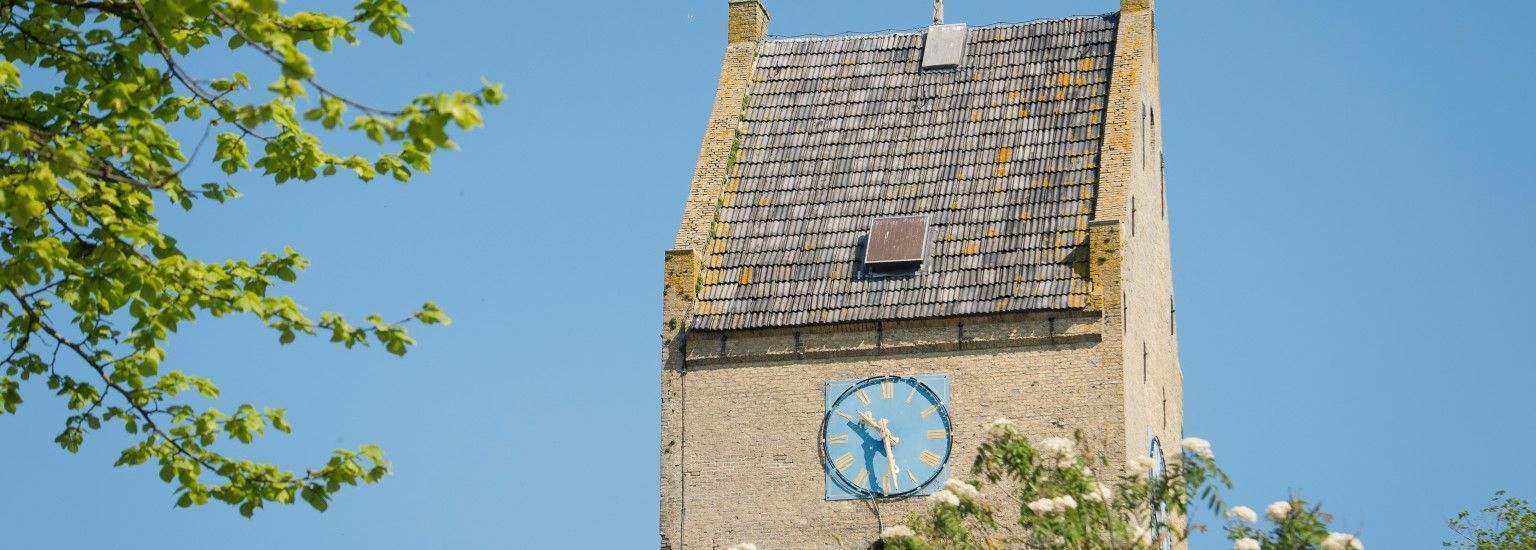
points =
(1000, 154)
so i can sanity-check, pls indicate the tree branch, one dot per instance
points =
(263, 48)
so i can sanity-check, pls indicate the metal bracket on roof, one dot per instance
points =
(944, 46)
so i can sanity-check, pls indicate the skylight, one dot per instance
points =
(944, 46)
(897, 242)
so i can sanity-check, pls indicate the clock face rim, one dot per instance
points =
(862, 493)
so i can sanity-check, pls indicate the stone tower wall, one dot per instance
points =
(750, 437)
(741, 410)
(1133, 193)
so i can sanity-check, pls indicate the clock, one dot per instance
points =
(1159, 471)
(886, 436)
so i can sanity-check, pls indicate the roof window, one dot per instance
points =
(944, 46)
(896, 244)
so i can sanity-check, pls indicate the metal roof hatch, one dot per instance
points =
(944, 46)
(896, 244)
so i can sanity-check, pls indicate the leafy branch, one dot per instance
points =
(82, 164)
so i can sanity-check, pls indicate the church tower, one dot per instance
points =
(891, 240)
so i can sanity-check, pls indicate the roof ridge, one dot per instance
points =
(918, 30)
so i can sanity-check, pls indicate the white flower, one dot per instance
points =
(1001, 427)
(1197, 446)
(1245, 544)
(962, 489)
(1043, 506)
(1141, 466)
(1243, 513)
(944, 497)
(1278, 511)
(897, 531)
(1065, 502)
(744, 546)
(1342, 541)
(1100, 493)
(1056, 446)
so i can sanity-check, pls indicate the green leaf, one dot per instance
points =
(10, 76)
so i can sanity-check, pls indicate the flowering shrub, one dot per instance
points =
(1294, 526)
(1067, 496)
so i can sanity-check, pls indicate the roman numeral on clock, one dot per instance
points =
(927, 457)
(863, 397)
(936, 434)
(887, 389)
(837, 440)
(843, 462)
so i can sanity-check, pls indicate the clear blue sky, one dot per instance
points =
(1349, 190)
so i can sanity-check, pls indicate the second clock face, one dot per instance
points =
(886, 436)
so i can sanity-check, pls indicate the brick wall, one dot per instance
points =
(747, 25)
(1131, 193)
(750, 466)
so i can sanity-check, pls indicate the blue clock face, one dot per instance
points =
(886, 436)
(1159, 470)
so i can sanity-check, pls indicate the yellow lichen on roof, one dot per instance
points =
(746, 275)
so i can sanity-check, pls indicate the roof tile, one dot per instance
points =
(1001, 154)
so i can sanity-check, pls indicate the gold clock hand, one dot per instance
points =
(885, 430)
(890, 457)
(869, 418)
